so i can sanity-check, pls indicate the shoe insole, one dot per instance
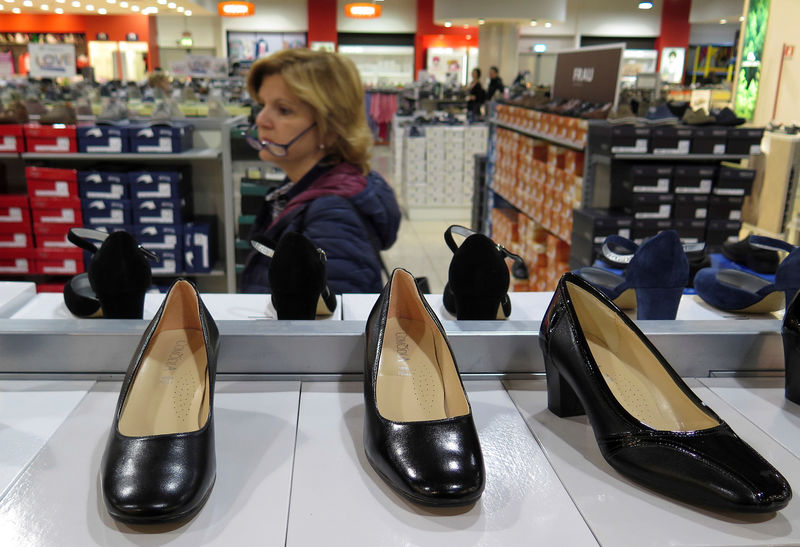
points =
(409, 386)
(632, 372)
(752, 283)
(170, 392)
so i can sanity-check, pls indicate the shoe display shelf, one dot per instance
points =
(211, 192)
(291, 468)
(535, 180)
(640, 180)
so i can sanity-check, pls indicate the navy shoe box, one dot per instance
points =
(165, 237)
(646, 228)
(197, 247)
(725, 207)
(693, 179)
(156, 184)
(102, 138)
(734, 181)
(691, 206)
(654, 206)
(690, 231)
(103, 184)
(156, 211)
(590, 227)
(169, 262)
(161, 138)
(710, 140)
(106, 211)
(744, 140)
(721, 231)
(671, 140)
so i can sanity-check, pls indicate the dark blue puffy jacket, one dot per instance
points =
(349, 230)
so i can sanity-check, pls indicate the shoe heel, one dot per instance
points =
(791, 355)
(657, 303)
(295, 306)
(477, 308)
(789, 295)
(561, 398)
(125, 305)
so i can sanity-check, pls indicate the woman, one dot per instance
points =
(313, 126)
(477, 95)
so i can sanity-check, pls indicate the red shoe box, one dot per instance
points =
(59, 261)
(50, 287)
(56, 211)
(14, 209)
(11, 140)
(50, 138)
(49, 236)
(46, 182)
(17, 261)
(15, 235)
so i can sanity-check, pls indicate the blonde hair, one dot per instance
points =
(331, 85)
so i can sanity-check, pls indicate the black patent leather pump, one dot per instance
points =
(297, 277)
(791, 350)
(118, 277)
(648, 424)
(419, 435)
(159, 464)
(477, 286)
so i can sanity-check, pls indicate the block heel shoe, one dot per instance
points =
(654, 279)
(159, 464)
(648, 424)
(297, 277)
(419, 435)
(478, 279)
(117, 279)
(744, 292)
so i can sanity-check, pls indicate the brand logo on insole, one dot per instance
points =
(401, 348)
(171, 364)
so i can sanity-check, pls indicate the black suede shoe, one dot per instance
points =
(418, 430)
(159, 464)
(758, 259)
(648, 424)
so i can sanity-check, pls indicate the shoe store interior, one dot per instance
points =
(467, 273)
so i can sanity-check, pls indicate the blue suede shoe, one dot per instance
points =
(654, 279)
(739, 291)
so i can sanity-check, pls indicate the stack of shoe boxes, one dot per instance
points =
(566, 128)
(414, 170)
(11, 139)
(55, 208)
(435, 164)
(16, 237)
(50, 139)
(475, 139)
(120, 137)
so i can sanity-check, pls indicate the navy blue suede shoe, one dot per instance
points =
(656, 275)
(739, 291)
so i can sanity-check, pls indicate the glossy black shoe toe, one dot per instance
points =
(419, 435)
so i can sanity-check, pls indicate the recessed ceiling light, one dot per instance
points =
(188, 13)
(548, 24)
(134, 8)
(76, 4)
(10, 1)
(150, 10)
(171, 5)
(481, 21)
(102, 11)
(180, 9)
(44, 7)
(723, 21)
(89, 7)
(15, 10)
(534, 22)
(2, 7)
(60, 1)
(646, 5)
(27, 4)
(123, 4)
(448, 24)
(59, 10)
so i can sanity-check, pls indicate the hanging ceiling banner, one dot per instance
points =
(52, 60)
(747, 81)
(207, 66)
(589, 73)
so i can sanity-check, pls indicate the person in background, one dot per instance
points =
(313, 125)
(495, 84)
(477, 95)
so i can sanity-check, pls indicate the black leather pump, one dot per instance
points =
(159, 463)
(297, 277)
(118, 277)
(791, 350)
(418, 430)
(478, 279)
(648, 424)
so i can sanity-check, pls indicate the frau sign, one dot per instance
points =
(582, 74)
(589, 73)
(52, 60)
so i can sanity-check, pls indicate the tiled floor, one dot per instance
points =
(420, 246)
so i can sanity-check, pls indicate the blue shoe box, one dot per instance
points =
(106, 212)
(102, 138)
(197, 247)
(161, 138)
(169, 262)
(165, 237)
(156, 211)
(103, 184)
(155, 184)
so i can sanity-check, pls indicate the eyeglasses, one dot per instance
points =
(274, 148)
